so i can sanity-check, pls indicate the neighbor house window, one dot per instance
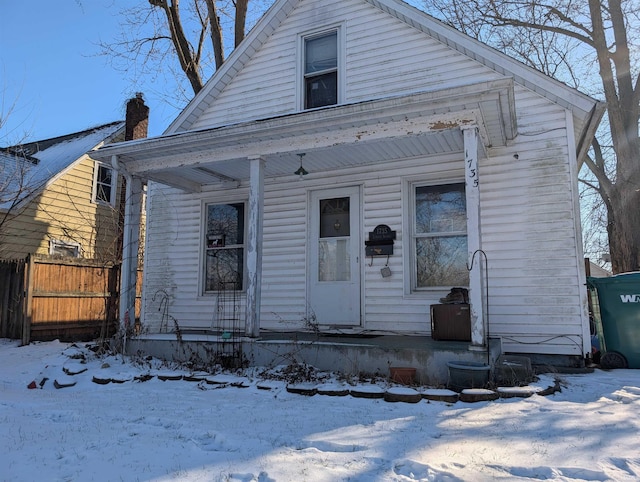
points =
(104, 185)
(321, 70)
(224, 247)
(64, 248)
(440, 236)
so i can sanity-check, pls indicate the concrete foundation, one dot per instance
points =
(349, 355)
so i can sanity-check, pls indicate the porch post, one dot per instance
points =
(130, 243)
(254, 246)
(474, 244)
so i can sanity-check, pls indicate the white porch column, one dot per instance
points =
(474, 244)
(254, 246)
(130, 244)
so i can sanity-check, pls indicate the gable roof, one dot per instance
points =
(26, 169)
(580, 104)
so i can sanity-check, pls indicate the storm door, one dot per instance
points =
(334, 261)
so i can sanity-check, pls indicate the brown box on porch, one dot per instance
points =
(451, 322)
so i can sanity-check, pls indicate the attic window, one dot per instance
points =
(104, 185)
(321, 69)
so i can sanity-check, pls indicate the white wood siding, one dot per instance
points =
(527, 209)
(527, 233)
(384, 57)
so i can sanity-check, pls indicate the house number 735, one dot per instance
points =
(473, 172)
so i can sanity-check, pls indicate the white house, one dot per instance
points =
(344, 128)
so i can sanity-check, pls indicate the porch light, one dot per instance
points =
(301, 170)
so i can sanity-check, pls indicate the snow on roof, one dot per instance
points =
(26, 168)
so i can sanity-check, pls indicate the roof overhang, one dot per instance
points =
(332, 138)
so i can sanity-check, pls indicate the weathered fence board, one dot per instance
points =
(72, 299)
(44, 298)
(11, 298)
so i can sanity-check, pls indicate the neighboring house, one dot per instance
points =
(56, 200)
(598, 271)
(343, 168)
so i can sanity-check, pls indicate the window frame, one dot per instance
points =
(58, 243)
(413, 186)
(112, 187)
(204, 248)
(301, 62)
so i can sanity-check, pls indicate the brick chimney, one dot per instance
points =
(136, 124)
(137, 118)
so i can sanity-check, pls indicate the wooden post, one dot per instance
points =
(254, 247)
(27, 301)
(474, 244)
(130, 244)
(6, 274)
(130, 241)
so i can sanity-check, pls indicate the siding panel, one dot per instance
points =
(384, 57)
(527, 213)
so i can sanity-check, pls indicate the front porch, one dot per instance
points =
(350, 355)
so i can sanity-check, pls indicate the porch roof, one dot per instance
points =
(332, 138)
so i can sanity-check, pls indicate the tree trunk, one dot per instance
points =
(216, 33)
(241, 20)
(623, 209)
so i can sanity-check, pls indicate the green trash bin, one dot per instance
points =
(618, 321)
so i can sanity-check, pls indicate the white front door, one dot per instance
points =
(334, 260)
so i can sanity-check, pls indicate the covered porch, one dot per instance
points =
(466, 121)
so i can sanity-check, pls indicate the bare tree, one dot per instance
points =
(572, 41)
(160, 37)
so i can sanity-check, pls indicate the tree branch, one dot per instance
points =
(216, 33)
(241, 20)
(180, 42)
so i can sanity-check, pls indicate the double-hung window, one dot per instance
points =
(104, 185)
(224, 247)
(439, 236)
(320, 69)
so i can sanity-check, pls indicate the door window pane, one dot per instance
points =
(334, 217)
(334, 243)
(333, 260)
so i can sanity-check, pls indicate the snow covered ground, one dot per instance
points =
(252, 429)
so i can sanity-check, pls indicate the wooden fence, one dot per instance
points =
(11, 298)
(44, 298)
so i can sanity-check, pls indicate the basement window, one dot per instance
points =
(65, 248)
(224, 247)
(320, 64)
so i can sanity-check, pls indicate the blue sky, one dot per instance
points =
(52, 79)
(52, 76)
